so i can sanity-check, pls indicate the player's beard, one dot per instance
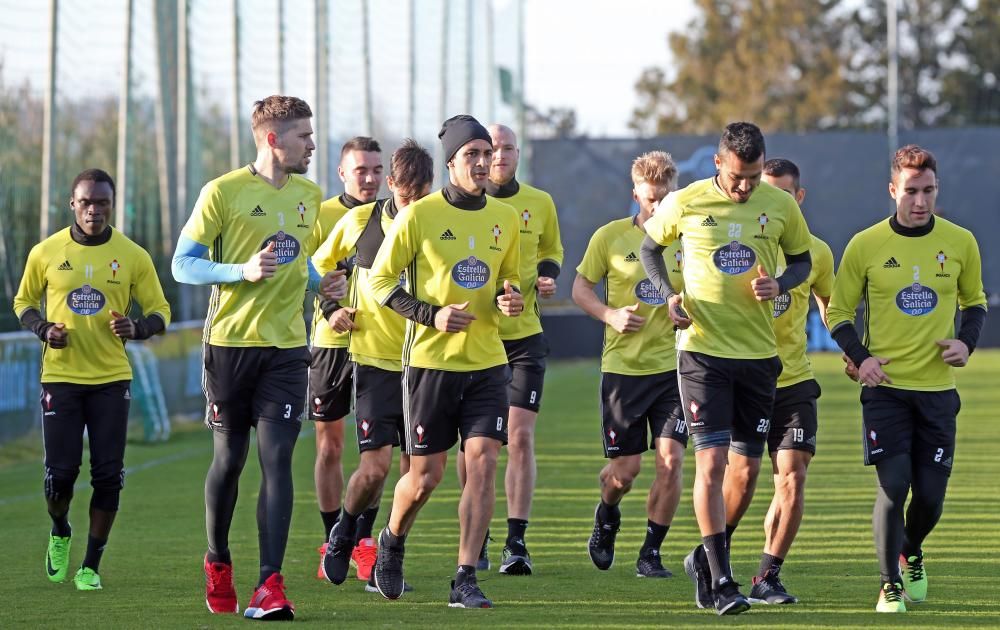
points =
(299, 168)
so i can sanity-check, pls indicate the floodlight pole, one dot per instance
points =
(322, 115)
(893, 79)
(234, 104)
(48, 126)
(367, 67)
(124, 100)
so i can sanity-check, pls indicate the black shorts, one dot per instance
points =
(526, 358)
(442, 407)
(378, 407)
(331, 384)
(735, 395)
(631, 404)
(245, 385)
(898, 421)
(794, 420)
(68, 409)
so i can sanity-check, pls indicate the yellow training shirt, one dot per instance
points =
(330, 212)
(911, 286)
(539, 227)
(723, 243)
(451, 256)
(79, 285)
(236, 216)
(613, 255)
(790, 311)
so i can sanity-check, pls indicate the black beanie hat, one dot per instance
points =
(458, 130)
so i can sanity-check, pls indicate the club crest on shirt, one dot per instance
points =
(86, 300)
(470, 273)
(734, 258)
(286, 246)
(648, 294)
(941, 259)
(301, 208)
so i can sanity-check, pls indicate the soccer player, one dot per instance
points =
(640, 402)
(376, 346)
(460, 250)
(331, 373)
(524, 342)
(732, 229)
(75, 287)
(791, 440)
(912, 269)
(258, 224)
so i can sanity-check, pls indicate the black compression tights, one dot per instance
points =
(897, 477)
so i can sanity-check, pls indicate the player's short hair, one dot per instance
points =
(744, 139)
(276, 111)
(93, 175)
(411, 168)
(779, 167)
(656, 168)
(360, 143)
(913, 156)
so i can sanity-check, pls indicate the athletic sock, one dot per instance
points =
(392, 540)
(769, 563)
(608, 513)
(464, 573)
(718, 557)
(366, 520)
(655, 533)
(515, 530)
(329, 520)
(60, 525)
(219, 556)
(729, 534)
(348, 524)
(95, 549)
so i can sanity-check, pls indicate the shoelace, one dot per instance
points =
(892, 592)
(470, 589)
(218, 580)
(59, 551)
(915, 569)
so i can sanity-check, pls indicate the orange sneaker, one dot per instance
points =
(363, 557)
(269, 601)
(220, 594)
(322, 554)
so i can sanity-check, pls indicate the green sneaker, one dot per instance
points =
(914, 577)
(86, 579)
(890, 599)
(57, 558)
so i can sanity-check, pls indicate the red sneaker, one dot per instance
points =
(363, 557)
(220, 594)
(322, 554)
(269, 601)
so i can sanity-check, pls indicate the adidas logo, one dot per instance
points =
(447, 236)
(66, 266)
(709, 222)
(891, 263)
(631, 257)
(947, 462)
(258, 212)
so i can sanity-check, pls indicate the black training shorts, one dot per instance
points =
(526, 358)
(898, 421)
(378, 407)
(794, 420)
(636, 410)
(331, 384)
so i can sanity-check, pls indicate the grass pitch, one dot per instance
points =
(152, 568)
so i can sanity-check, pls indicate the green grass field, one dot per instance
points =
(153, 577)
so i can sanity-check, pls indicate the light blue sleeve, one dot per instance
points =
(314, 277)
(190, 267)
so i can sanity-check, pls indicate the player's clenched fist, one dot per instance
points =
(262, 265)
(510, 301)
(764, 286)
(57, 336)
(546, 287)
(453, 318)
(122, 326)
(624, 319)
(333, 285)
(342, 319)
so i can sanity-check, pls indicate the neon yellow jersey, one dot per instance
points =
(790, 311)
(330, 212)
(235, 216)
(911, 285)
(377, 340)
(540, 241)
(451, 256)
(723, 243)
(613, 256)
(79, 285)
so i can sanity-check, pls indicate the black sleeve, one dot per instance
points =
(973, 319)
(847, 338)
(146, 327)
(549, 269)
(651, 255)
(328, 307)
(797, 268)
(32, 319)
(412, 308)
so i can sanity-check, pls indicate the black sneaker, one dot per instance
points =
(696, 566)
(388, 572)
(770, 590)
(515, 559)
(468, 595)
(649, 565)
(337, 559)
(371, 588)
(728, 598)
(602, 542)
(483, 563)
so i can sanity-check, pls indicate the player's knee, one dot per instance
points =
(792, 485)
(520, 438)
(372, 472)
(107, 490)
(669, 468)
(329, 451)
(59, 485)
(623, 473)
